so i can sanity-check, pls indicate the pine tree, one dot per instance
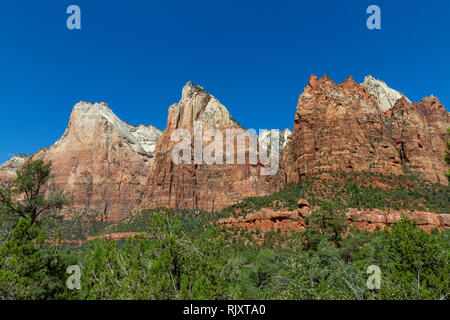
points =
(25, 197)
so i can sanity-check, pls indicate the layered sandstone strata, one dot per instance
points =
(365, 127)
(269, 219)
(198, 185)
(419, 133)
(102, 161)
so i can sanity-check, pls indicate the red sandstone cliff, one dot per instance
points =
(268, 219)
(208, 187)
(358, 127)
(419, 133)
(102, 161)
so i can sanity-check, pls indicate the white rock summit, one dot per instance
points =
(9, 168)
(386, 96)
(88, 117)
(16, 162)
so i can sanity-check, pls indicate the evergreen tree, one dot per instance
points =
(27, 269)
(419, 265)
(25, 198)
(329, 223)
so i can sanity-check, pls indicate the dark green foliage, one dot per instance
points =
(27, 269)
(327, 261)
(328, 223)
(79, 227)
(182, 254)
(355, 190)
(25, 197)
(321, 274)
(164, 263)
(419, 263)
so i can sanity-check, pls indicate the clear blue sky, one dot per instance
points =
(254, 56)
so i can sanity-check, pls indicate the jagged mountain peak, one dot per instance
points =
(9, 168)
(86, 107)
(147, 136)
(386, 96)
(89, 120)
(15, 162)
(191, 88)
(198, 105)
(87, 110)
(265, 137)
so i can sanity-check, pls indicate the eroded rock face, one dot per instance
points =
(338, 127)
(352, 127)
(147, 136)
(419, 133)
(369, 220)
(9, 168)
(102, 161)
(267, 220)
(209, 187)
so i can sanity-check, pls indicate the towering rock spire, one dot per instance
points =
(200, 186)
(198, 105)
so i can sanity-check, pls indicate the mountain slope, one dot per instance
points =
(101, 160)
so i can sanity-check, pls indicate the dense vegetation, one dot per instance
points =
(342, 190)
(184, 255)
(166, 262)
(356, 190)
